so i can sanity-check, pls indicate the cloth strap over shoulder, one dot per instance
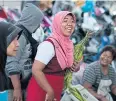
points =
(33, 42)
(50, 41)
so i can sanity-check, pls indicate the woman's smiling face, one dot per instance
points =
(68, 25)
(106, 58)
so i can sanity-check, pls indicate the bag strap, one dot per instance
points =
(32, 41)
(50, 41)
(28, 35)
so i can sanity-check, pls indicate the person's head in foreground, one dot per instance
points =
(9, 35)
(63, 23)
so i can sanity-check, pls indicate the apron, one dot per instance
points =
(104, 89)
(36, 93)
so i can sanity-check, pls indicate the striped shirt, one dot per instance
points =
(93, 75)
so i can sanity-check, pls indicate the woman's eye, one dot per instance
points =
(109, 57)
(72, 21)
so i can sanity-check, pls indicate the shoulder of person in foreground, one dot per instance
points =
(45, 52)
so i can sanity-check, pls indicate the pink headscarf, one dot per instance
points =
(63, 45)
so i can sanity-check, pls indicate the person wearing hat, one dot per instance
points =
(9, 44)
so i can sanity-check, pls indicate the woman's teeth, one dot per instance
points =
(69, 29)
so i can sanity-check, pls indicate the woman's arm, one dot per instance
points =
(113, 89)
(41, 60)
(88, 86)
(37, 71)
(113, 86)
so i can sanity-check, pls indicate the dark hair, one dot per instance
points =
(71, 14)
(3, 57)
(110, 49)
(3, 50)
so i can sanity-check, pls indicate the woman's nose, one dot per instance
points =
(17, 43)
(105, 57)
(69, 23)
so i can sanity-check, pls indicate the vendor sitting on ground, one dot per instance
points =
(100, 78)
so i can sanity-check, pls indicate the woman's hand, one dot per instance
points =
(75, 67)
(50, 96)
(17, 95)
(101, 98)
(104, 99)
(90, 34)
